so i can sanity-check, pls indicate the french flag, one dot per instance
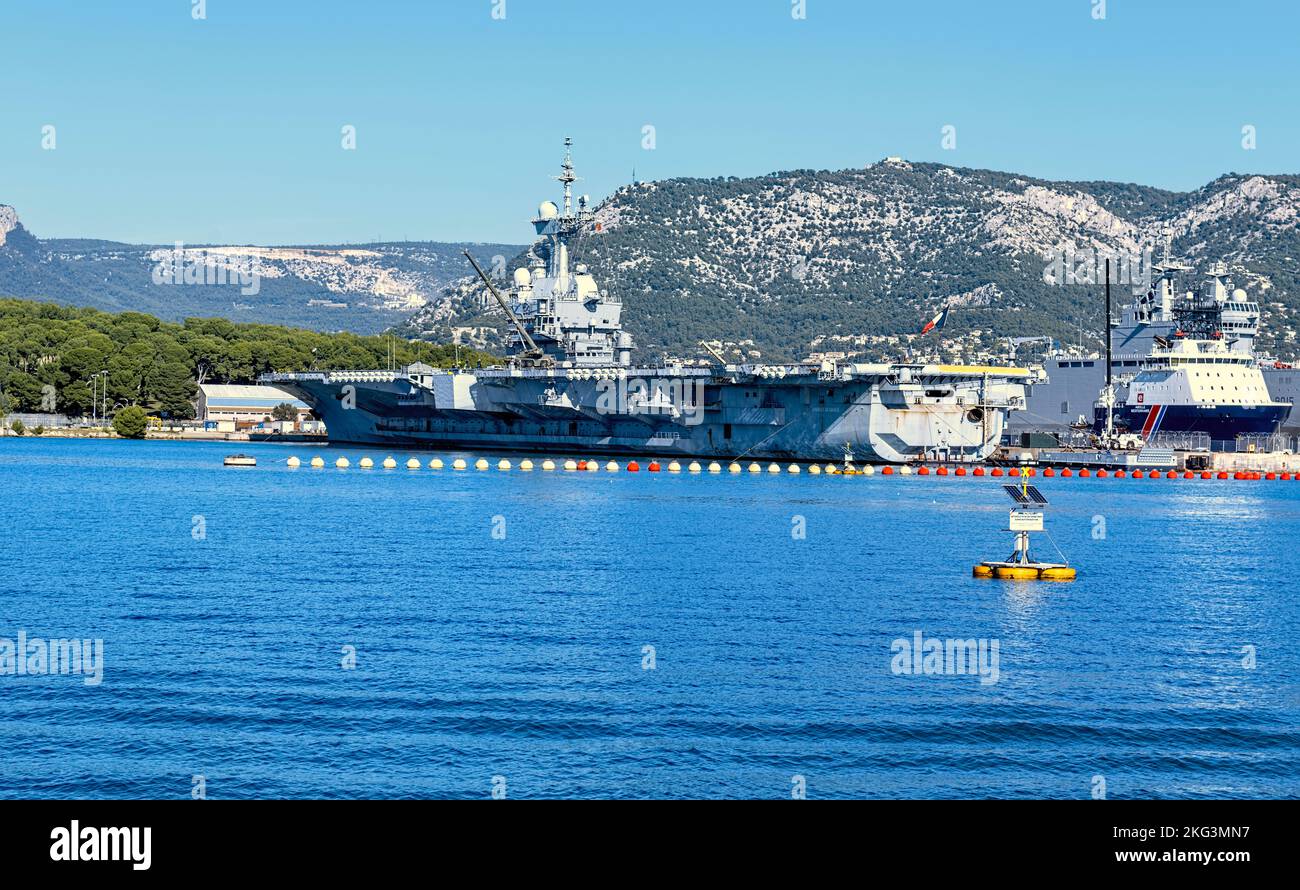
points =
(937, 322)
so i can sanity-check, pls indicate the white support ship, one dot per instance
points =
(1198, 377)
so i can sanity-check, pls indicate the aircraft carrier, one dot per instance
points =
(570, 385)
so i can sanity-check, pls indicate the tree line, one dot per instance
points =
(50, 356)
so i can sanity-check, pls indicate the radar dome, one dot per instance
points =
(522, 278)
(547, 210)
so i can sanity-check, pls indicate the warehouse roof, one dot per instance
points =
(224, 394)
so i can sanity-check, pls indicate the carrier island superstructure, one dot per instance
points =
(570, 385)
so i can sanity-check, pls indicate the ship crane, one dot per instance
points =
(532, 354)
(1014, 343)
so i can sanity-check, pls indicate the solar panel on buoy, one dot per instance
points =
(1028, 495)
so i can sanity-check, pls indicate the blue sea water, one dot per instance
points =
(225, 599)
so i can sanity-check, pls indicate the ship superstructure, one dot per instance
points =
(570, 385)
(1194, 381)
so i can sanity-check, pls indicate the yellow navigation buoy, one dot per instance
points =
(694, 467)
(733, 468)
(435, 464)
(905, 470)
(458, 464)
(503, 464)
(293, 462)
(774, 468)
(318, 462)
(525, 464)
(390, 463)
(1026, 517)
(831, 469)
(815, 470)
(481, 464)
(868, 470)
(674, 467)
(611, 467)
(413, 464)
(755, 468)
(366, 463)
(715, 467)
(794, 468)
(548, 465)
(592, 466)
(342, 463)
(570, 465)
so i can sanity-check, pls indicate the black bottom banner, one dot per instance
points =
(335, 839)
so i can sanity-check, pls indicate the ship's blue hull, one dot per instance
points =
(1222, 423)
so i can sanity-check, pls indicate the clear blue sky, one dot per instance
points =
(228, 129)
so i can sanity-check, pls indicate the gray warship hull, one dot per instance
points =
(884, 413)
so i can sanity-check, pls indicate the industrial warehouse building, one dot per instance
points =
(244, 404)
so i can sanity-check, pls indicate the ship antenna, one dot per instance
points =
(567, 176)
(1108, 381)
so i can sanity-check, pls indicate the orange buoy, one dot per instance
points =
(1223, 474)
(633, 466)
(1084, 474)
(887, 471)
(1137, 474)
(1033, 472)
(653, 467)
(1187, 474)
(924, 471)
(1048, 472)
(942, 471)
(979, 471)
(1270, 476)
(1239, 475)
(1119, 474)
(1206, 474)
(997, 471)
(961, 471)
(1067, 472)
(1285, 476)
